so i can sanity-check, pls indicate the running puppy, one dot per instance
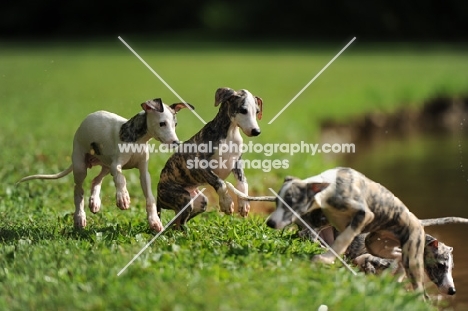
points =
(354, 204)
(181, 177)
(97, 142)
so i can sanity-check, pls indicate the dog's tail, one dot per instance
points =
(52, 176)
(443, 221)
(249, 198)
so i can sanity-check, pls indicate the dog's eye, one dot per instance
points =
(243, 110)
(176, 124)
(161, 124)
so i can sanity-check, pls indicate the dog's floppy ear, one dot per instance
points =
(317, 187)
(222, 94)
(260, 106)
(155, 104)
(178, 106)
(434, 243)
(289, 178)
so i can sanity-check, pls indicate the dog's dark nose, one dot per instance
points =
(175, 144)
(255, 132)
(271, 223)
(451, 291)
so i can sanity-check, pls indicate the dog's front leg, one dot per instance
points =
(242, 186)
(145, 181)
(372, 264)
(339, 246)
(225, 200)
(362, 217)
(413, 255)
(122, 197)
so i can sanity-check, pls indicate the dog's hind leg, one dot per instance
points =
(122, 197)
(176, 198)
(79, 175)
(94, 199)
(199, 204)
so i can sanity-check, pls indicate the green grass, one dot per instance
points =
(220, 263)
(65, 84)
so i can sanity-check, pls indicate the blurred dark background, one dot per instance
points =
(443, 21)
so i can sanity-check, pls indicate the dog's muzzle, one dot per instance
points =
(451, 291)
(255, 132)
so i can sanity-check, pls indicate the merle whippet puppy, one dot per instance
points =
(99, 141)
(180, 178)
(353, 204)
(365, 247)
(373, 252)
(438, 258)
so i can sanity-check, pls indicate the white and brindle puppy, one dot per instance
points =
(97, 141)
(179, 182)
(372, 252)
(354, 204)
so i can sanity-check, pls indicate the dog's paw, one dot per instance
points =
(79, 220)
(94, 204)
(360, 261)
(226, 204)
(123, 200)
(368, 268)
(323, 259)
(244, 208)
(155, 223)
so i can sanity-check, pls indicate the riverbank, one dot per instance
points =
(439, 114)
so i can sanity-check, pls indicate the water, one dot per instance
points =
(429, 173)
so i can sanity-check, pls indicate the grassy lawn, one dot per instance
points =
(221, 262)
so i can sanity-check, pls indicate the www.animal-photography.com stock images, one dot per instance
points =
(221, 155)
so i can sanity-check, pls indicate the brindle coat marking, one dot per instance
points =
(134, 128)
(354, 204)
(178, 183)
(373, 252)
(97, 141)
(438, 258)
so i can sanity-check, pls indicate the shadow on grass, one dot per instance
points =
(34, 233)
